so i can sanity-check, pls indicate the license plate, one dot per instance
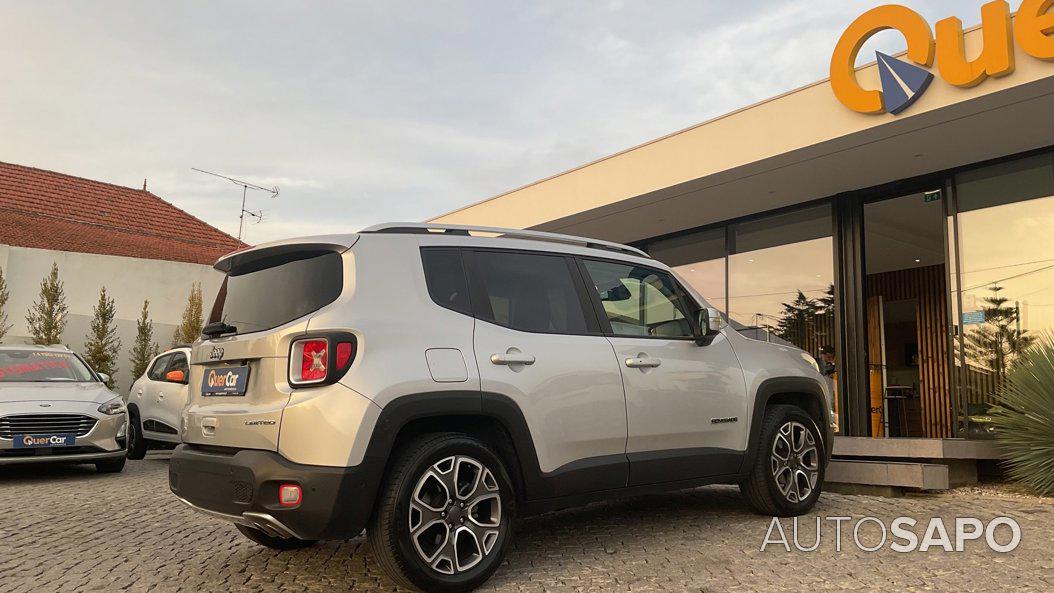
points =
(36, 441)
(225, 381)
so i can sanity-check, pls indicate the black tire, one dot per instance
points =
(779, 496)
(136, 442)
(414, 471)
(110, 467)
(275, 543)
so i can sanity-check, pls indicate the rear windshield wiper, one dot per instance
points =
(217, 328)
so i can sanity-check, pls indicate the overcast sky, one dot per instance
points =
(365, 112)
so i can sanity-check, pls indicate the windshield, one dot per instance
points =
(36, 365)
(271, 292)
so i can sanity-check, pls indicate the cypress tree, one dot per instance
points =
(145, 348)
(190, 326)
(102, 345)
(4, 325)
(47, 316)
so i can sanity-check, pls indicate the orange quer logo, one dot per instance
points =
(905, 81)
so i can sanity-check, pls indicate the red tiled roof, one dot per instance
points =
(48, 210)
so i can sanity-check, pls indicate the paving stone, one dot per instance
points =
(69, 529)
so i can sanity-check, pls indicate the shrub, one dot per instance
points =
(1025, 417)
(46, 318)
(101, 345)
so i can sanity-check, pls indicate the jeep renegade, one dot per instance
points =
(430, 383)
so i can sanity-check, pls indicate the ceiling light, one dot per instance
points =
(917, 260)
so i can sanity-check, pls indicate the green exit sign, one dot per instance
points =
(932, 196)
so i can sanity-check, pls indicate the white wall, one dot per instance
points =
(127, 280)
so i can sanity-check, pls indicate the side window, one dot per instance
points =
(445, 277)
(157, 370)
(639, 301)
(530, 292)
(178, 363)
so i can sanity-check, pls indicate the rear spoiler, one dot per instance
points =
(268, 252)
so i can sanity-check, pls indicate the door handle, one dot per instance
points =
(160, 395)
(643, 363)
(512, 358)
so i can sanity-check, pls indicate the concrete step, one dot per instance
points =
(914, 448)
(922, 476)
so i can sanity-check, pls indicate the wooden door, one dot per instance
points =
(876, 363)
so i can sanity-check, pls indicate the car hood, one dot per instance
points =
(55, 392)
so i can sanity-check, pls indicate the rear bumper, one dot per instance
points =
(241, 486)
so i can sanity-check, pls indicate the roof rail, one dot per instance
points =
(467, 230)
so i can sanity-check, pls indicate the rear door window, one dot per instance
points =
(273, 291)
(530, 292)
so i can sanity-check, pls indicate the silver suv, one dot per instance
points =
(431, 383)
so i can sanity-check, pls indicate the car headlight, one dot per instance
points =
(812, 361)
(113, 407)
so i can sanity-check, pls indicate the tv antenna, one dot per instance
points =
(246, 186)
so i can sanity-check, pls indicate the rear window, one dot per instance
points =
(271, 292)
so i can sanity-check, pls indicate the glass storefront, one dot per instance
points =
(957, 280)
(781, 278)
(699, 258)
(1005, 216)
(906, 308)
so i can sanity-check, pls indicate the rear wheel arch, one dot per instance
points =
(491, 418)
(486, 429)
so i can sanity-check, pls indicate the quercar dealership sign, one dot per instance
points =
(1032, 29)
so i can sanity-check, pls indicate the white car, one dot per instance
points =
(54, 408)
(156, 401)
(431, 383)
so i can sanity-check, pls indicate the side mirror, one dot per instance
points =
(710, 322)
(104, 377)
(176, 377)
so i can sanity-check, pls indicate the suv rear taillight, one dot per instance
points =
(309, 361)
(314, 361)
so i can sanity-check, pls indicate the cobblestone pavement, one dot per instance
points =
(68, 529)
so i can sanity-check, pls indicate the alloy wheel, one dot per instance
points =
(795, 461)
(455, 516)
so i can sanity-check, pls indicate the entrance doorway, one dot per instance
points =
(906, 296)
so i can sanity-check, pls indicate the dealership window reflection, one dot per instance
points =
(781, 279)
(699, 259)
(1005, 216)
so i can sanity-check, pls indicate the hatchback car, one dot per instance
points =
(53, 408)
(155, 402)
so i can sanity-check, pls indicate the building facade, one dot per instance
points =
(131, 241)
(894, 220)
